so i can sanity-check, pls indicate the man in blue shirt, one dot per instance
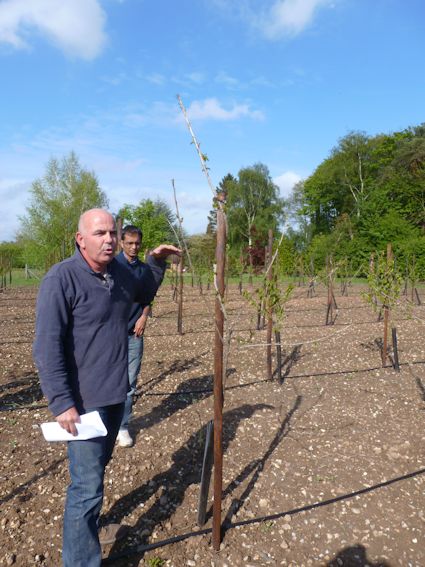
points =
(131, 241)
(80, 349)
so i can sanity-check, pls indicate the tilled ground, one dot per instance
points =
(325, 468)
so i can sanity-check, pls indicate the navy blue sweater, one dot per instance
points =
(138, 269)
(81, 339)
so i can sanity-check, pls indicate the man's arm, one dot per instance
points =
(140, 325)
(153, 276)
(164, 250)
(52, 317)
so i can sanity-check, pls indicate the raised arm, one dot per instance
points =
(152, 277)
(164, 250)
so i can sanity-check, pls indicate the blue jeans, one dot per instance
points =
(87, 462)
(135, 354)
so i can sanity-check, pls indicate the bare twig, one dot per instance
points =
(198, 148)
(180, 221)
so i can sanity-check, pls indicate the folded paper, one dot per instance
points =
(91, 426)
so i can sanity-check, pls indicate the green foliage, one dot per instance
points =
(369, 191)
(341, 183)
(267, 525)
(12, 252)
(202, 252)
(286, 258)
(235, 261)
(269, 297)
(155, 562)
(409, 252)
(154, 218)
(225, 187)
(20, 279)
(385, 281)
(253, 206)
(57, 200)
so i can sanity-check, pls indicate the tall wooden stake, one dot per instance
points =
(269, 309)
(329, 314)
(218, 379)
(180, 297)
(386, 314)
(119, 233)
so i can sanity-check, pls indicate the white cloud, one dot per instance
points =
(288, 17)
(286, 182)
(166, 114)
(75, 26)
(115, 80)
(190, 79)
(156, 79)
(197, 78)
(262, 82)
(211, 108)
(227, 80)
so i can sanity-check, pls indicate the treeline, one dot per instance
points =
(368, 192)
(47, 230)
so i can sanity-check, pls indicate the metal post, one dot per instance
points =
(278, 355)
(395, 350)
(206, 474)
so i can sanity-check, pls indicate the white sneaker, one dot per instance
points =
(124, 439)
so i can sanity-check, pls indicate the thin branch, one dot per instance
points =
(198, 149)
(275, 254)
(179, 220)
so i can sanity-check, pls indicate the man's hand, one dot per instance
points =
(164, 250)
(68, 419)
(139, 327)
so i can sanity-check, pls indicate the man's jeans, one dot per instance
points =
(87, 462)
(135, 354)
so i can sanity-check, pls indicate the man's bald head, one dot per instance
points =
(88, 217)
(97, 238)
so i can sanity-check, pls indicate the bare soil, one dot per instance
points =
(325, 467)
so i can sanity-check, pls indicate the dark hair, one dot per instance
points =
(131, 229)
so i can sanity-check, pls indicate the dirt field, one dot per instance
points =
(326, 468)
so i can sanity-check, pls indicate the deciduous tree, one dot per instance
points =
(253, 206)
(57, 200)
(154, 218)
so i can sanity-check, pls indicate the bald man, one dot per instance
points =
(80, 350)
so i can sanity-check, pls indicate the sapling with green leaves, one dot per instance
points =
(299, 269)
(311, 274)
(413, 279)
(385, 284)
(269, 299)
(327, 276)
(345, 270)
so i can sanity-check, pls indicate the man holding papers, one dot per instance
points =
(80, 350)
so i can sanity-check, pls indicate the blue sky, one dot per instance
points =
(271, 81)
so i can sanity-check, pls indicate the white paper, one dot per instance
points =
(91, 426)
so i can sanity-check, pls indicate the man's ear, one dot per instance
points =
(80, 240)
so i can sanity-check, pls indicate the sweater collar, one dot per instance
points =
(82, 263)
